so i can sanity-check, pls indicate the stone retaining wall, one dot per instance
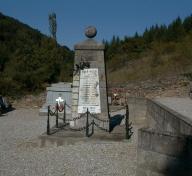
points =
(164, 119)
(165, 145)
(163, 154)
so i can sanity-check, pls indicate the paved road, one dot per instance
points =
(24, 151)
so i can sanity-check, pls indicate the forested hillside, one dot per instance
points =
(159, 52)
(30, 60)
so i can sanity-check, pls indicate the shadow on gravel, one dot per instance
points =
(115, 121)
(3, 112)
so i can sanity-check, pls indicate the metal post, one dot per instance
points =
(48, 124)
(127, 122)
(93, 123)
(107, 93)
(109, 127)
(64, 115)
(87, 123)
(57, 115)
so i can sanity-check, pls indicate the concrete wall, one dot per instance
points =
(164, 119)
(137, 109)
(163, 154)
(165, 146)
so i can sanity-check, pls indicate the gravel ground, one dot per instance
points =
(24, 152)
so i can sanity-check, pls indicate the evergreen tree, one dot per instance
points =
(175, 30)
(187, 23)
(136, 35)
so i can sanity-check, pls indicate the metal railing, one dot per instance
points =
(91, 121)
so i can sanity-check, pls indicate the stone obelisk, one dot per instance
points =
(92, 53)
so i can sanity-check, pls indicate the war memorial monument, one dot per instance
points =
(89, 78)
(88, 91)
(89, 86)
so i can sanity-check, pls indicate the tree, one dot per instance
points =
(187, 23)
(53, 25)
(30, 60)
(136, 35)
(175, 30)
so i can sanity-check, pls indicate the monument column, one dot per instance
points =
(89, 54)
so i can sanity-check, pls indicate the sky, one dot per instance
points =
(110, 17)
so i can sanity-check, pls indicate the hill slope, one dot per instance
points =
(160, 52)
(28, 59)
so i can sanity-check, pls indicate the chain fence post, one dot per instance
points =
(109, 127)
(127, 122)
(64, 115)
(57, 115)
(87, 123)
(48, 123)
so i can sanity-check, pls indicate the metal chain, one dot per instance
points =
(68, 120)
(76, 118)
(84, 115)
(77, 129)
(68, 106)
(95, 117)
(60, 110)
(101, 128)
(51, 113)
(80, 129)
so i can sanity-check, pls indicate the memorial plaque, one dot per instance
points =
(89, 94)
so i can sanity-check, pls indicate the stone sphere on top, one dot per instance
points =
(90, 31)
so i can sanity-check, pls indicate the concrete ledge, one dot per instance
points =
(164, 119)
(174, 112)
